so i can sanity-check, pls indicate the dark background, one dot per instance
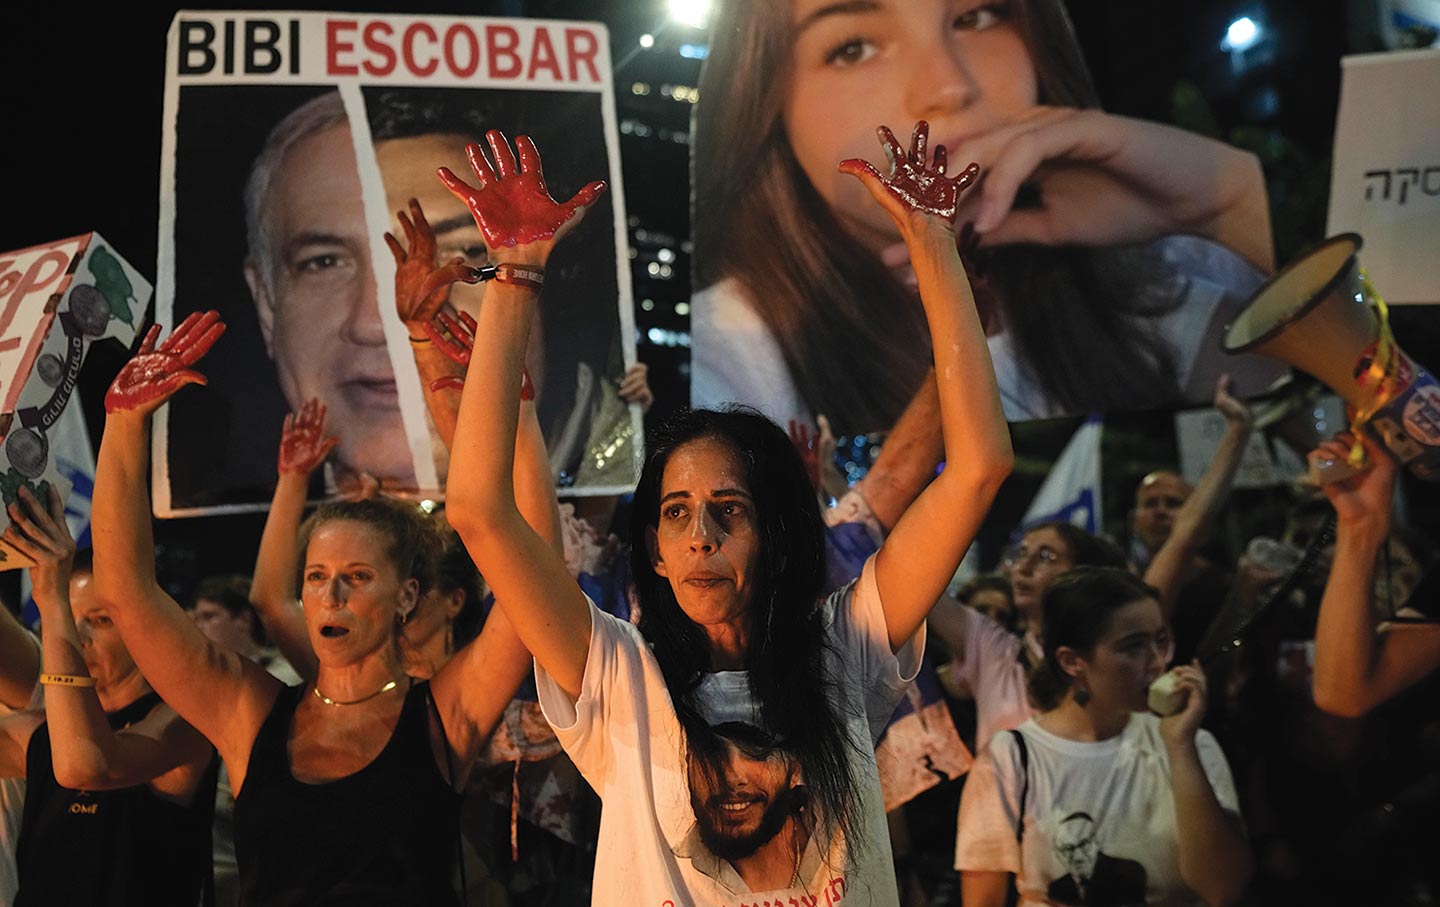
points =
(80, 98)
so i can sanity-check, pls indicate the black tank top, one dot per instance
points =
(111, 847)
(384, 835)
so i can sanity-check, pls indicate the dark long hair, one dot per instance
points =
(1077, 609)
(819, 290)
(785, 659)
(455, 572)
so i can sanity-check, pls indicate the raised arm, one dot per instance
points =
(303, 447)
(908, 458)
(1357, 667)
(224, 695)
(87, 753)
(422, 289)
(521, 224)
(473, 689)
(926, 544)
(1214, 857)
(482, 678)
(1197, 514)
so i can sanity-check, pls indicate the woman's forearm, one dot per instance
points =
(123, 539)
(272, 588)
(1193, 521)
(976, 436)
(198, 679)
(919, 558)
(1214, 857)
(1346, 644)
(443, 404)
(82, 742)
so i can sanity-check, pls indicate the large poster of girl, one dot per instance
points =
(1107, 253)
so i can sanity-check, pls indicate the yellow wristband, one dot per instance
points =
(67, 680)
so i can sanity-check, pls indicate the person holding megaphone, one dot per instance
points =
(1357, 664)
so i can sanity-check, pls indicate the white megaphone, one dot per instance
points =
(1315, 315)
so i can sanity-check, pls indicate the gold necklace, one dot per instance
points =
(336, 702)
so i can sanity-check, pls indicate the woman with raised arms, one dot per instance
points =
(731, 735)
(347, 788)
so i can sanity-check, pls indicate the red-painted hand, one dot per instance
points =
(303, 442)
(455, 337)
(148, 379)
(512, 207)
(421, 288)
(910, 182)
(450, 382)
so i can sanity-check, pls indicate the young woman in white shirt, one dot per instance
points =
(1097, 801)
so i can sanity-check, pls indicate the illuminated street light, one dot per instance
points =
(694, 13)
(1243, 34)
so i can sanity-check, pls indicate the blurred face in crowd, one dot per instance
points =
(962, 67)
(1157, 500)
(994, 604)
(233, 631)
(1034, 563)
(105, 655)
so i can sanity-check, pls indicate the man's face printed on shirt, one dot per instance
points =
(745, 800)
(1076, 846)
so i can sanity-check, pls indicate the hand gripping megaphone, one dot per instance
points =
(1321, 316)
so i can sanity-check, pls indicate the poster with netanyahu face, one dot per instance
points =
(292, 143)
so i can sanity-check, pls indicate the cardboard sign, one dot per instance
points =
(1385, 184)
(1265, 463)
(291, 141)
(57, 299)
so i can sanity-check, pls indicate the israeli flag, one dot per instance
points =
(1071, 493)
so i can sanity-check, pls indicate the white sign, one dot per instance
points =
(1385, 183)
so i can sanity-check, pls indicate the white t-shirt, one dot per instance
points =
(990, 665)
(1104, 810)
(734, 357)
(624, 736)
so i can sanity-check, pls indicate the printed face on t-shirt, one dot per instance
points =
(1075, 843)
(744, 801)
(706, 539)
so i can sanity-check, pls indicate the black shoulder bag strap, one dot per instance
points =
(1024, 784)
